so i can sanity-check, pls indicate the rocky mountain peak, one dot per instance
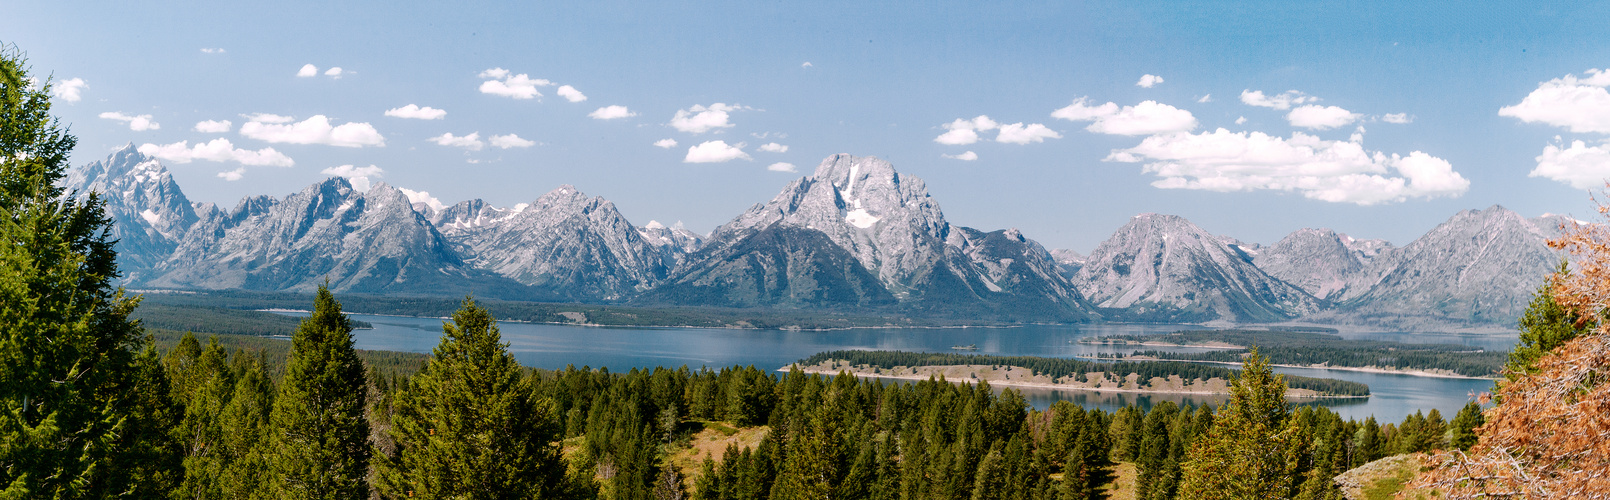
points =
(149, 210)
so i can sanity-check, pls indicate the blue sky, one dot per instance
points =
(890, 80)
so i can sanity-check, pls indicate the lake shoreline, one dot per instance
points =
(1364, 369)
(861, 372)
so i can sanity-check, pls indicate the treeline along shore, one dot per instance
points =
(1310, 349)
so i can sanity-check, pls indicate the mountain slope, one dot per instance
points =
(1164, 268)
(1319, 261)
(150, 213)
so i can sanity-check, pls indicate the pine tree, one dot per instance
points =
(318, 436)
(1247, 454)
(246, 419)
(1462, 432)
(1544, 326)
(76, 405)
(212, 383)
(469, 425)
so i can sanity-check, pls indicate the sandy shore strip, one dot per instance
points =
(932, 371)
(1365, 369)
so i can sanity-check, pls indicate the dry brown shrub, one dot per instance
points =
(1550, 438)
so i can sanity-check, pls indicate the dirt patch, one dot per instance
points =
(711, 442)
(1122, 486)
(574, 317)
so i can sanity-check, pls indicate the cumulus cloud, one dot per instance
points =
(612, 112)
(665, 143)
(471, 142)
(963, 131)
(314, 130)
(357, 176)
(1206, 98)
(1581, 166)
(1018, 133)
(415, 112)
(772, 147)
(502, 83)
(1146, 118)
(509, 141)
(1397, 118)
(137, 123)
(966, 156)
(1282, 101)
(1149, 81)
(308, 70)
(216, 150)
(267, 118)
(1334, 171)
(1318, 117)
(212, 50)
(1576, 104)
(570, 93)
(233, 175)
(70, 90)
(1240, 120)
(418, 197)
(700, 119)
(781, 167)
(333, 72)
(213, 126)
(715, 152)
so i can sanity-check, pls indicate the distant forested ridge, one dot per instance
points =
(1062, 367)
(1306, 348)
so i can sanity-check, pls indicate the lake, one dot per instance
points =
(621, 349)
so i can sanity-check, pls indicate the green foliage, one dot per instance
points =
(196, 318)
(83, 413)
(1462, 431)
(318, 436)
(1253, 449)
(1063, 367)
(469, 425)
(1309, 348)
(1544, 326)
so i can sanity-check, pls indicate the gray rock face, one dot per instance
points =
(1478, 268)
(890, 226)
(1319, 261)
(150, 213)
(563, 243)
(675, 243)
(1164, 268)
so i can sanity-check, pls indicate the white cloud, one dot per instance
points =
(233, 175)
(471, 142)
(806, 65)
(1397, 118)
(781, 167)
(964, 131)
(509, 141)
(520, 86)
(1240, 120)
(267, 118)
(333, 72)
(715, 152)
(1283, 100)
(772, 147)
(70, 90)
(1334, 171)
(314, 130)
(415, 112)
(665, 143)
(213, 126)
(700, 119)
(1358, 135)
(307, 71)
(1318, 117)
(1581, 166)
(1018, 133)
(1206, 98)
(1576, 104)
(966, 156)
(138, 123)
(216, 150)
(212, 50)
(570, 93)
(423, 197)
(612, 112)
(1146, 118)
(1149, 81)
(357, 176)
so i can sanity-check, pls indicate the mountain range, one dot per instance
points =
(854, 236)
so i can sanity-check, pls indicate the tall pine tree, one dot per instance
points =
(80, 414)
(1248, 452)
(470, 426)
(318, 436)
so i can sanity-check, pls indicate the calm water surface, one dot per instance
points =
(620, 349)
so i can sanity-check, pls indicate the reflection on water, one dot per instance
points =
(620, 349)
